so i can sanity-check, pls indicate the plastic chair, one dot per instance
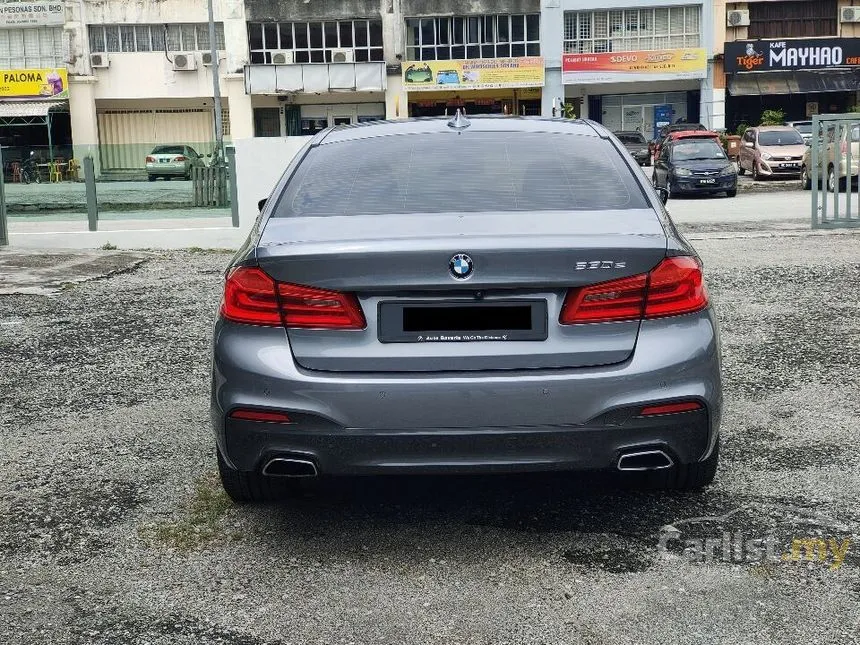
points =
(54, 174)
(72, 170)
(16, 172)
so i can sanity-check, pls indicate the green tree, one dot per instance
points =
(772, 117)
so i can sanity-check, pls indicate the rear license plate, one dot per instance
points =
(707, 181)
(462, 321)
(164, 161)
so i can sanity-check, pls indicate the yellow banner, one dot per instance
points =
(473, 74)
(34, 84)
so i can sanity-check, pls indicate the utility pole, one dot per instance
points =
(216, 87)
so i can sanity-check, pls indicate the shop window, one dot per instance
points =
(31, 48)
(458, 37)
(267, 122)
(632, 29)
(793, 19)
(146, 38)
(314, 42)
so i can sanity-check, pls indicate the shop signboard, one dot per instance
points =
(613, 67)
(662, 118)
(42, 84)
(473, 74)
(781, 55)
(31, 13)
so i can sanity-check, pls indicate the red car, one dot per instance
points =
(686, 134)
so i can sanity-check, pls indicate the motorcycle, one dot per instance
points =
(30, 171)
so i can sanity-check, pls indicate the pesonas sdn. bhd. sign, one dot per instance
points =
(779, 55)
(31, 13)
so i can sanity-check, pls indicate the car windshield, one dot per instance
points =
(169, 150)
(465, 172)
(697, 149)
(630, 137)
(780, 138)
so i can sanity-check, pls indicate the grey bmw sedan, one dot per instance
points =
(467, 295)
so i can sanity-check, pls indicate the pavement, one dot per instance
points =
(113, 528)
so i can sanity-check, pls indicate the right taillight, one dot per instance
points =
(253, 297)
(150, 159)
(672, 288)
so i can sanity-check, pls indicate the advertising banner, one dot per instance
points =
(31, 13)
(612, 67)
(473, 74)
(781, 55)
(45, 84)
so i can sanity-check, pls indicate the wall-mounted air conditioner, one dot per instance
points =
(283, 58)
(206, 59)
(737, 18)
(342, 56)
(849, 14)
(184, 62)
(99, 60)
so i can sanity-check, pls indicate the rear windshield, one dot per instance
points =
(169, 150)
(697, 149)
(803, 128)
(468, 172)
(780, 138)
(630, 137)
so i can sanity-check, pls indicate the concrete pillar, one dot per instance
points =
(396, 104)
(241, 112)
(551, 47)
(82, 111)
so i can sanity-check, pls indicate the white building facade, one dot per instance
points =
(630, 64)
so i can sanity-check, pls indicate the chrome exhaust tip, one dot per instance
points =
(645, 460)
(290, 467)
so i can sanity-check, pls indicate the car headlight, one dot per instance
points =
(683, 172)
(766, 156)
(727, 171)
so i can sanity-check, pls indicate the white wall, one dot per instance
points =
(151, 75)
(260, 162)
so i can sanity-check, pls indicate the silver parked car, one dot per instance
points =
(172, 161)
(486, 295)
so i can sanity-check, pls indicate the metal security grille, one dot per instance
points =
(830, 170)
(31, 48)
(460, 37)
(154, 38)
(315, 42)
(587, 32)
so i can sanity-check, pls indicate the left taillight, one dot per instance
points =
(150, 159)
(253, 297)
(672, 288)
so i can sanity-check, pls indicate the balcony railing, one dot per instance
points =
(313, 78)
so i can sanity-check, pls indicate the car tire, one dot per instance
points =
(151, 177)
(732, 193)
(741, 169)
(755, 175)
(831, 180)
(805, 179)
(251, 487)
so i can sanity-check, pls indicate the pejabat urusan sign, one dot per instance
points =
(31, 13)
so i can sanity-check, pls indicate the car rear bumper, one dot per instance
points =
(467, 422)
(166, 169)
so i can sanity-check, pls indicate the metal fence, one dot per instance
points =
(830, 170)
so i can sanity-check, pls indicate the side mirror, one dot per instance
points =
(664, 195)
(261, 204)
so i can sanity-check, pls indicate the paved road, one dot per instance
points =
(113, 529)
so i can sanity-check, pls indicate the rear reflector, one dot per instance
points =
(672, 288)
(253, 297)
(670, 408)
(260, 415)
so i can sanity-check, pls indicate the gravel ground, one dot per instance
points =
(113, 529)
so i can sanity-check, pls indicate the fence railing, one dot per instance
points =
(830, 170)
(209, 185)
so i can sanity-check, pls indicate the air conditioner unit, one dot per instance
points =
(342, 56)
(184, 62)
(738, 18)
(206, 59)
(850, 14)
(99, 60)
(283, 58)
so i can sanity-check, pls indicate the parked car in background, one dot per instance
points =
(835, 174)
(172, 161)
(678, 127)
(542, 302)
(686, 134)
(803, 127)
(636, 146)
(771, 150)
(695, 166)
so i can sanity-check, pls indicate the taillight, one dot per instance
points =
(179, 158)
(670, 408)
(150, 159)
(672, 288)
(253, 297)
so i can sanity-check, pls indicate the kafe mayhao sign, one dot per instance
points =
(31, 13)
(777, 55)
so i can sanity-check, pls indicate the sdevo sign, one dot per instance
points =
(777, 55)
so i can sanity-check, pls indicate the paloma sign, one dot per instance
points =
(778, 55)
(31, 13)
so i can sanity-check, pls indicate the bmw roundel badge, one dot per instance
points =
(461, 266)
